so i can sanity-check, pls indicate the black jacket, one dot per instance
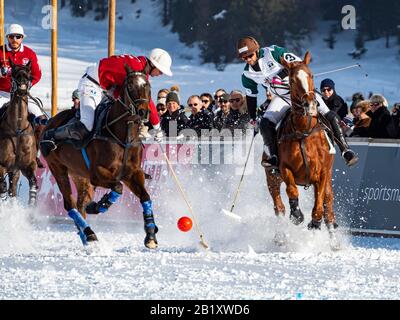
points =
(176, 120)
(237, 120)
(337, 104)
(220, 120)
(379, 122)
(394, 126)
(201, 120)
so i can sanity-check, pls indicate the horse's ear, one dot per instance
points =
(29, 64)
(12, 65)
(307, 58)
(127, 68)
(285, 63)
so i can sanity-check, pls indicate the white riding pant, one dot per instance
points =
(90, 95)
(278, 107)
(32, 107)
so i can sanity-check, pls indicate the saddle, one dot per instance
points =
(99, 122)
(324, 123)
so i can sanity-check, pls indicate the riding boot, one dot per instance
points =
(348, 155)
(268, 132)
(74, 130)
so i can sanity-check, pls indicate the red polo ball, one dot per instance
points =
(185, 224)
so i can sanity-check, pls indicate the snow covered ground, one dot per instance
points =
(39, 260)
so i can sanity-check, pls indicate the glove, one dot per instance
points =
(158, 136)
(255, 125)
(4, 71)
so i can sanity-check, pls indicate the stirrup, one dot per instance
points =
(352, 160)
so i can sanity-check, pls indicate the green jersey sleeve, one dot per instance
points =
(250, 86)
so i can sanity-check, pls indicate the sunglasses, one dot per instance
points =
(217, 97)
(237, 100)
(193, 104)
(15, 36)
(326, 89)
(249, 56)
(205, 101)
(223, 101)
(376, 104)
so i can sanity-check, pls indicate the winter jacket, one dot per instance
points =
(237, 120)
(220, 120)
(394, 126)
(379, 122)
(21, 57)
(361, 128)
(112, 73)
(337, 104)
(201, 120)
(180, 122)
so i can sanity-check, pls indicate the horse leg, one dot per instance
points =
(60, 173)
(13, 178)
(319, 197)
(3, 184)
(274, 186)
(296, 216)
(29, 173)
(85, 191)
(106, 201)
(329, 215)
(136, 185)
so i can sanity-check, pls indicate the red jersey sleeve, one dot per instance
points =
(35, 69)
(154, 118)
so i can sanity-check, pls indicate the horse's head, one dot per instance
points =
(21, 78)
(301, 82)
(137, 94)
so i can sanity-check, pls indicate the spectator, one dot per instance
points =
(356, 98)
(161, 101)
(217, 96)
(207, 102)
(176, 89)
(201, 119)
(332, 100)
(75, 100)
(221, 116)
(361, 120)
(380, 117)
(394, 124)
(238, 117)
(174, 120)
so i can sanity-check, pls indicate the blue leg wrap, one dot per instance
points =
(112, 197)
(148, 214)
(78, 219)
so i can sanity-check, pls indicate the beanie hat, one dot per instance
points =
(173, 96)
(327, 83)
(75, 94)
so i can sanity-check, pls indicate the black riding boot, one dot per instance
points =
(348, 155)
(268, 132)
(74, 130)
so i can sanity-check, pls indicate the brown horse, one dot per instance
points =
(17, 140)
(304, 153)
(112, 157)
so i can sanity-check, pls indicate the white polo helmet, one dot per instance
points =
(15, 29)
(161, 60)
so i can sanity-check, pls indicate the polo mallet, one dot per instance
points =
(202, 242)
(230, 213)
(340, 69)
(3, 38)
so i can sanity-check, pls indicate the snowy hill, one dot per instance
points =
(83, 41)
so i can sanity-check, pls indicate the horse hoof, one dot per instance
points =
(92, 208)
(314, 225)
(150, 241)
(90, 235)
(296, 217)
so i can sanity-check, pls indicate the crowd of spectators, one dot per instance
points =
(203, 112)
(225, 110)
(372, 117)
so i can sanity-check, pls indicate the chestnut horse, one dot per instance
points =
(18, 146)
(304, 153)
(112, 157)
